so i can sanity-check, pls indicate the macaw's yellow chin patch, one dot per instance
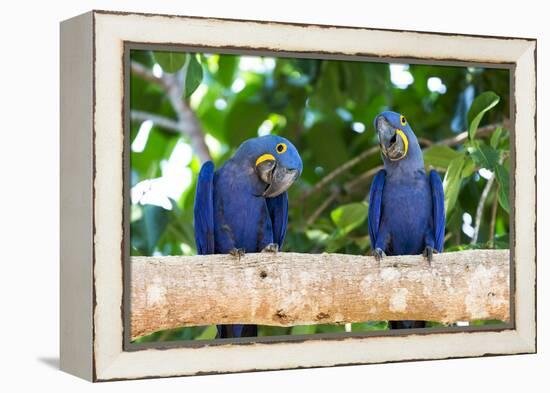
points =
(264, 157)
(398, 146)
(405, 140)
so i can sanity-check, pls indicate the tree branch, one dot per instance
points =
(287, 289)
(424, 142)
(482, 132)
(481, 204)
(160, 121)
(352, 184)
(326, 203)
(480, 208)
(493, 217)
(187, 123)
(145, 73)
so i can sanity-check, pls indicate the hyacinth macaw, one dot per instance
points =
(406, 206)
(242, 207)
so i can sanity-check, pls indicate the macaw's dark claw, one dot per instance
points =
(428, 254)
(271, 247)
(237, 252)
(378, 254)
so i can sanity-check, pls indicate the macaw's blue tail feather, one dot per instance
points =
(204, 210)
(235, 331)
(375, 206)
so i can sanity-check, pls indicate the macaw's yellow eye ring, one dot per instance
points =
(280, 148)
(403, 120)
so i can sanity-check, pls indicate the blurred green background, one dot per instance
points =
(190, 107)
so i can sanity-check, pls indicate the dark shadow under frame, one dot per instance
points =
(258, 51)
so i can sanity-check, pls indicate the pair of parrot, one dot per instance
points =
(243, 206)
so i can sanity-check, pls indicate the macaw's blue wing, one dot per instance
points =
(204, 210)
(438, 200)
(278, 211)
(375, 205)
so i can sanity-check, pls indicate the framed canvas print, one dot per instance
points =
(245, 195)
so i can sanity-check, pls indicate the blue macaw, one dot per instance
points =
(243, 206)
(406, 206)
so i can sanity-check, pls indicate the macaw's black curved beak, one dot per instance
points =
(278, 178)
(393, 142)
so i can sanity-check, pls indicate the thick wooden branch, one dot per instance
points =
(299, 289)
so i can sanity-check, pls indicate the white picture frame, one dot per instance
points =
(92, 194)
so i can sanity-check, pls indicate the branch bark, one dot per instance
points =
(160, 121)
(298, 289)
(187, 123)
(352, 184)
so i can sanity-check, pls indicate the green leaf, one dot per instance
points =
(147, 231)
(439, 156)
(170, 61)
(369, 326)
(159, 146)
(452, 181)
(244, 119)
(212, 119)
(484, 156)
(469, 167)
(363, 242)
(266, 330)
(327, 155)
(481, 104)
(193, 76)
(495, 138)
(350, 216)
(317, 236)
(503, 178)
(328, 94)
(326, 328)
(227, 67)
(302, 329)
(208, 334)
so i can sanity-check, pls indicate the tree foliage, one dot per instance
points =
(326, 108)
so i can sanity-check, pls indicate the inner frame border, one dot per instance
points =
(128, 46)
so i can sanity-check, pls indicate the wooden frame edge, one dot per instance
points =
(525, 339)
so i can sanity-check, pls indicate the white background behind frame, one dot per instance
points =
(111, 30)
(35, 267)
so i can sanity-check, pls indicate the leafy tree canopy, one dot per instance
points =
(326, 108)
